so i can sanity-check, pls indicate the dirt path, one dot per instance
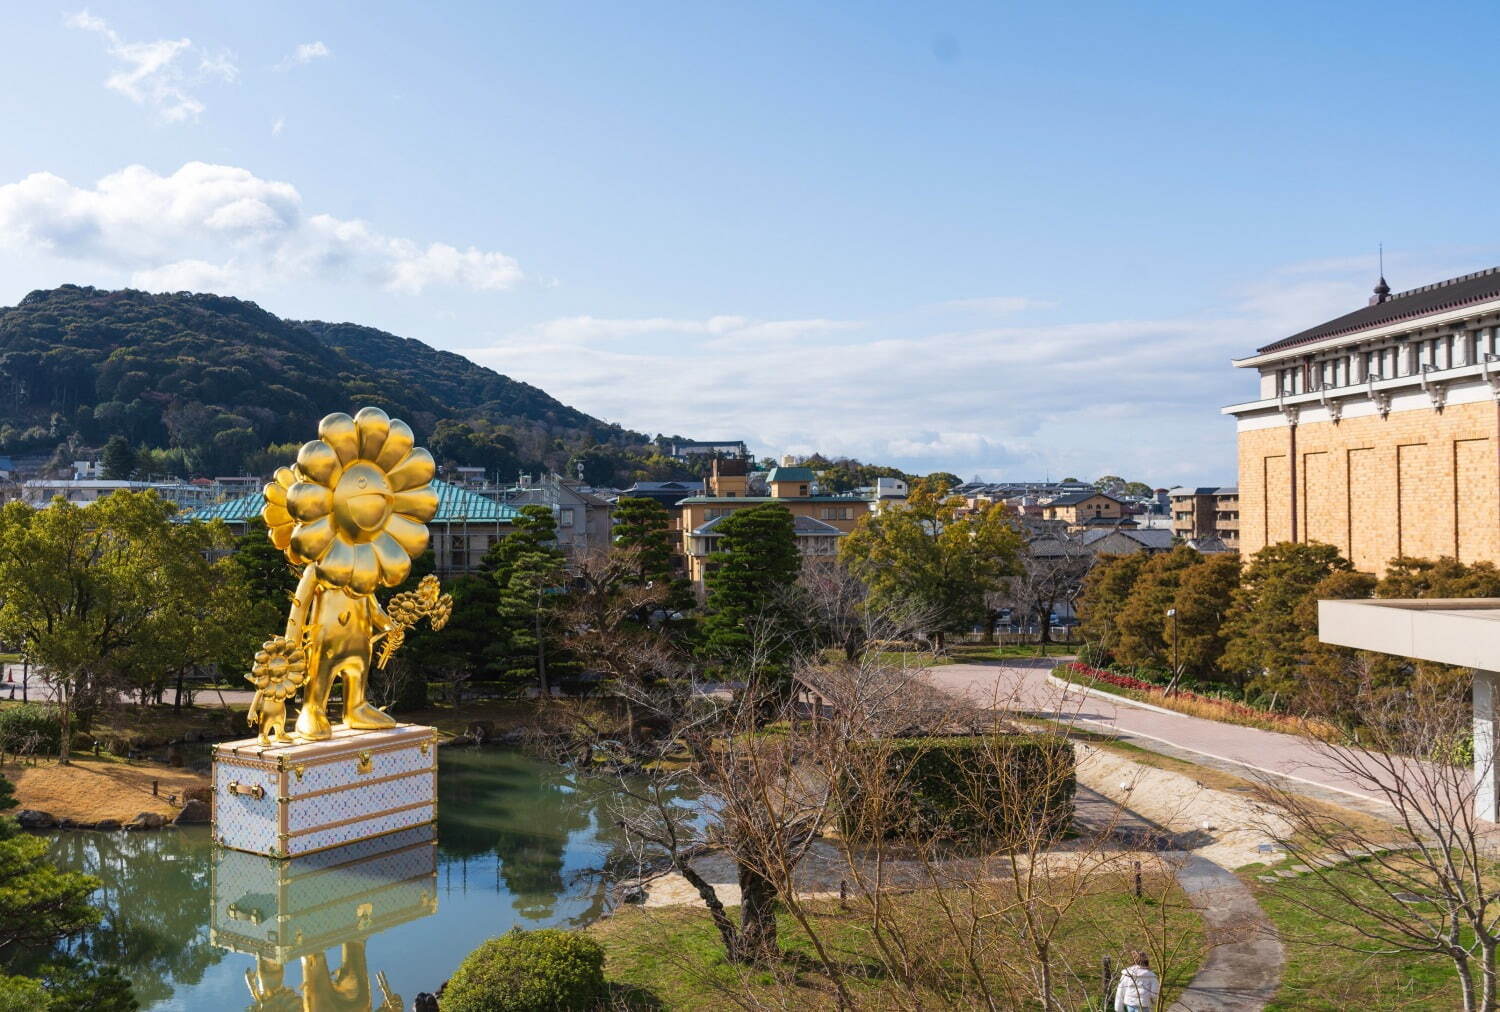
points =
(89, 790)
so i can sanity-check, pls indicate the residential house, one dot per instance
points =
(689, 448)
(1085, 509)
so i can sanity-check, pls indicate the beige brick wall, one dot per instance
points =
(1416, 482)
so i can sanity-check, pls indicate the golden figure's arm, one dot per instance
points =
(302, 601)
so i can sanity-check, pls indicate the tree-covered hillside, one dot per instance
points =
(204, 384)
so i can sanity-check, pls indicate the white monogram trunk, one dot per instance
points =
(289, 800)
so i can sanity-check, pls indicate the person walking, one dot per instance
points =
(1138, 986)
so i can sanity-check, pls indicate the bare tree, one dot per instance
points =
(1052, 569)
(1425, 884)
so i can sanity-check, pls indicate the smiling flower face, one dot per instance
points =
(357, 502)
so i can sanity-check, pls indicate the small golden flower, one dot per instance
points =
(280, 668)
(357, 502)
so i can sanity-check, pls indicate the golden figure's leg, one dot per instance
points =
(358, 713)
(312, 719)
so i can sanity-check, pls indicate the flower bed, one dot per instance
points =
(1192, 703)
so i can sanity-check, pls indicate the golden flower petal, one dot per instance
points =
(366, 573)
(274, 493)
(338, 565)
(274, 515)
(318, 461)
(285, 476)
(310, 541)
(307, 501)
(418, 504)
(413, 472)
(373, 426)
(394, 562)
(397, 444)
(338, 431)
(281, 537)
(409, 534)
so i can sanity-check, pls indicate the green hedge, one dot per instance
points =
(529, 971)
(975, 787)
(19, 723)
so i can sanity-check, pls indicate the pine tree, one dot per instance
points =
(1144, 630)
(118, 458)
(1267, 628)
(528, 571)
(1105, 591)
(7, 794)
(751, 627)
(645, 527)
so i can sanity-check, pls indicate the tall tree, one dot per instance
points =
(94, 592)
(1266, 628)
(268, 579)
(1105, 591)
(935, 559)
(118, 458)
(644, 528)
(1204, 595)
(1051, 571)
(1145, 631)
(751, 626)
(529, 574)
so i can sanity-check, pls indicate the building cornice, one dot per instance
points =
(1443, 319)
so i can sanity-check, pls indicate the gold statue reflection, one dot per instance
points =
(300, 909)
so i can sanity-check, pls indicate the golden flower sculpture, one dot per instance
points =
(408, 608)
(279, 671)
(356, 503)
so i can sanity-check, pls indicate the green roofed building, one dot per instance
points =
(465, 526)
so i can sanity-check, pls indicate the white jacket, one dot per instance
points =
(1138, 986)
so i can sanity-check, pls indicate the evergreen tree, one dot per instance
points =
(529, 575)
(644, 527)
(118, 458)
(751, 627)
(7, 794)
(269, 579)
(1267, 628)
(1204, 595)
(1145, 631)
(1105, 591)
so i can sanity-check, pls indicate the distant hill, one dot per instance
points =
(204, 384)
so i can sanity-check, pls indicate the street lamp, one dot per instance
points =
(1176, 668)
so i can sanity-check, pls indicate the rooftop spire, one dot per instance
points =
(1382, 290)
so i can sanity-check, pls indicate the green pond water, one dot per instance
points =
(519, 842)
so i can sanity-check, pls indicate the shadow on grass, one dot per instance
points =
(636, 999)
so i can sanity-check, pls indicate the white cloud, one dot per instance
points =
(304, 54)
(277, 126)
(1137, 397)
(152, 73)
(223, 228)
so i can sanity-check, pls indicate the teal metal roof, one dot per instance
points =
(790, 474)
(455, 506)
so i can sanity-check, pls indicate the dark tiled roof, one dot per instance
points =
(1074, 498)
(1451, 294)
(801, 526)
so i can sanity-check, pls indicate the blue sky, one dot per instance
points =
(1007, 240)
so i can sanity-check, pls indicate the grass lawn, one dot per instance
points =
(969, 652)
(672, 955)
(1332, 967)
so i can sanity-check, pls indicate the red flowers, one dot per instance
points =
(1198, 705)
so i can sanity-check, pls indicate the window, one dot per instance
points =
(565, 518)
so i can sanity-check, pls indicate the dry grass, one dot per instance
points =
(88, 790)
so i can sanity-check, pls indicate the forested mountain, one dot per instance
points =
(205, 384)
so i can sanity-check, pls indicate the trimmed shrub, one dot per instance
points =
(980, 787)
(529, 971)
(30, 725)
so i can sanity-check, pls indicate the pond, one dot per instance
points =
(519, 842)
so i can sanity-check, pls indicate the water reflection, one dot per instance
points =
(520, 843)
(280, 911)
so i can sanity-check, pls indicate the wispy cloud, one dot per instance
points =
(1085, 397)
(152, 74)
(304, 54)
(277, 125)
(222, 228)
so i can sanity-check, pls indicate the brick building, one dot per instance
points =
(1377, 431)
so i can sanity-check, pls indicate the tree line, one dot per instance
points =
(1252, 630)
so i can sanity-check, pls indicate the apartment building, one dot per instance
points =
(1377, 431)
(1200, 514)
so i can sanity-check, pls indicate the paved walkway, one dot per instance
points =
(1243, 968)
(1025, 686)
